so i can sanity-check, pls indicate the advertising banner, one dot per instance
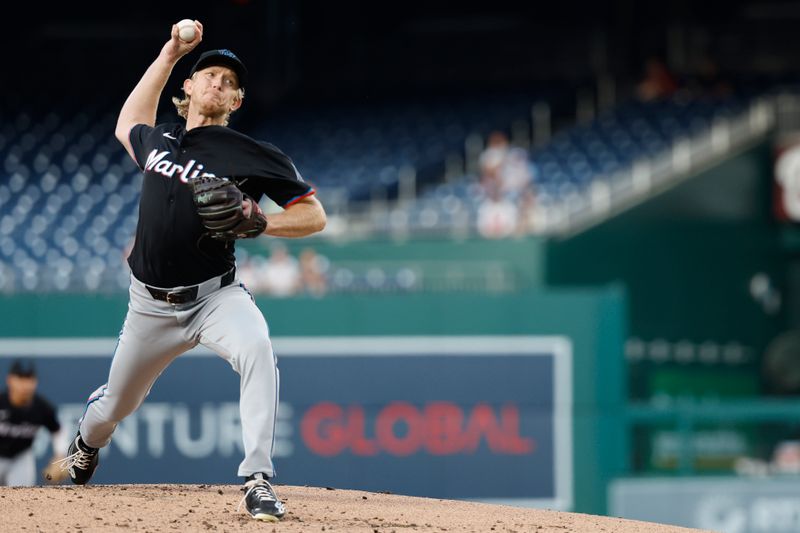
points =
(724, 504)
(478, 418)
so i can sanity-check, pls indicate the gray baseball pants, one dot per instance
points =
(225, 320)
(19, 471)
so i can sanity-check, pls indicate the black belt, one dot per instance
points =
(188, 294)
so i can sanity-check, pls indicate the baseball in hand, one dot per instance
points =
(186, 30)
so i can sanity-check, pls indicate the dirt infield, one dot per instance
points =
(104, 508)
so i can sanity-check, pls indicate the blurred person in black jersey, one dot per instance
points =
(22, 413)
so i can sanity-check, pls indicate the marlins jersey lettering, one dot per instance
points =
(171, 249)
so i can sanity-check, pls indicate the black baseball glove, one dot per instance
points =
(219, 204)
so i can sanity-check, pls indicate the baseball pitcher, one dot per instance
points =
(200, 192)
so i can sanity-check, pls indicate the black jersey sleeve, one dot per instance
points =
(49, 418)
(139, 136)
(278, 178)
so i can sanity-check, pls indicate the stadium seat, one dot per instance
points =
(69, 192)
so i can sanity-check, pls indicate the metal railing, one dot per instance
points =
(609, 195)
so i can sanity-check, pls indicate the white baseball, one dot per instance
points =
(186, 30)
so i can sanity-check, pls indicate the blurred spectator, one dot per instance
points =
(492, 159)
(783, 460)
(280, 275)
(497, 146)
(313, 269)
(249, 270)
(657, 82)
(787, 183)
(507, 175)
(516, 172)
(497, 216)
(526, 220)
(786, 457)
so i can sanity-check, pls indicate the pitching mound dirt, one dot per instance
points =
(112, 508)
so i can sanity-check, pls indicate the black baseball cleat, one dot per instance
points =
(260, 499)
(80, 462)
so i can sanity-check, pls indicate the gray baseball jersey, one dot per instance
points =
(184, 290)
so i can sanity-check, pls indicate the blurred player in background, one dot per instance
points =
(22, 413)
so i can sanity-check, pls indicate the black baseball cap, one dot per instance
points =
(23, 368)
(222, 57)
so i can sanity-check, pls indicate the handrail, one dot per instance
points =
(760, 410)
(609, 195)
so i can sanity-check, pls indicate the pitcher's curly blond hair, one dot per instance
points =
(182, 106)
